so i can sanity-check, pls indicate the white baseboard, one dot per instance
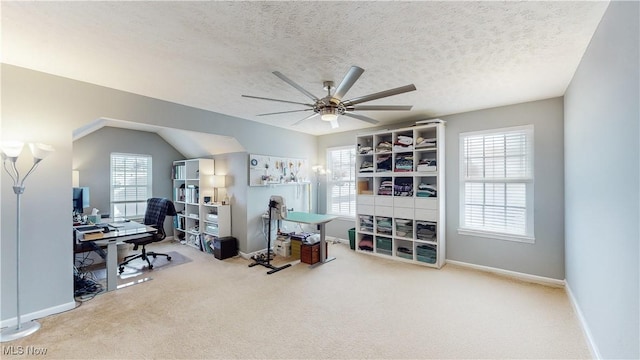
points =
(512, 274)
(595, 353)
(38, 314)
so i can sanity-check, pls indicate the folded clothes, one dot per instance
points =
(384, 147)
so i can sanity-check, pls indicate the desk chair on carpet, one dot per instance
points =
(157, 210)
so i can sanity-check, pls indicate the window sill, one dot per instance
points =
(497, 236)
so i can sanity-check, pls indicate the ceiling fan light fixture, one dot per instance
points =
(328, 114)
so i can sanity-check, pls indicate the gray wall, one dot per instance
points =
(602, 170)
(45, 108)
(92, 158)
(546, 256)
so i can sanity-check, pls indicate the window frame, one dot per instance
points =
(112, 186)
(527, 180)
(330, 182)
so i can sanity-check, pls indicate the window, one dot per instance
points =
(496, 183)
(130, 184)
(341, 181)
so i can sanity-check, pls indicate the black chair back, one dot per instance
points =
(157, 210)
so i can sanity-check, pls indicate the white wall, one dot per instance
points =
(602, 167)
(45, 108)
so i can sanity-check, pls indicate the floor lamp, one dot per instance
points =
(319, 170)
(10, 153)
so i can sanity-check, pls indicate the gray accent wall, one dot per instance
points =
(44, 108)
(546, 256)
(602, 200)
(92, 159)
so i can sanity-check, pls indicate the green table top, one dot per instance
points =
(308, 218)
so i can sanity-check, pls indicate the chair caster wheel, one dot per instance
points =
(154, 256)
(150, 267)
(168, 258)
(121, 269)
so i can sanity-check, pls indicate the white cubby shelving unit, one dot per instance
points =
(191, 184)
(400, 203)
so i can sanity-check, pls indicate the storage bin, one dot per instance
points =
(352, 238)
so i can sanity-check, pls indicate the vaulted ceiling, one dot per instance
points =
(461, 56)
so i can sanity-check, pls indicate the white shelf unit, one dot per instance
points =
(217, 220)
(400, 203)
(191, 184)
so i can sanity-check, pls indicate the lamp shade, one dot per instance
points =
(12, 149)
(40, 151)
(75, 178)
(219, 181)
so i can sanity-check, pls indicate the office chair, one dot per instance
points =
(157, 210)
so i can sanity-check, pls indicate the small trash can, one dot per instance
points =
(352, 238)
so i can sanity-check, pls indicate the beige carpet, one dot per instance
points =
(357, 306)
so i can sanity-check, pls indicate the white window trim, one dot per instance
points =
(111, 185)
(349, 217)
(528, 238)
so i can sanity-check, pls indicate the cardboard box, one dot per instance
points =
(363, 187)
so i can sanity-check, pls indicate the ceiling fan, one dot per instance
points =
(332, 105)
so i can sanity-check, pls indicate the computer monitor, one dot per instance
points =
(80, 199)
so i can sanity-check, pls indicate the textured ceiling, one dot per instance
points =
(461, 56)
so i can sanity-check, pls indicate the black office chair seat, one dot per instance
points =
(144, 254)
(157, 210)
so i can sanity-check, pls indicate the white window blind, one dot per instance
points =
(341, 184)
(496, 183)
(131, 185)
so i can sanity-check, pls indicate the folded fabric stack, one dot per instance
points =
(384, 147)
(425, 143)
(426, 190)
(383, 226)
(383, 245)
(384, 163)
(366, 223)
(366, 166)
(426, 230)
(403, 189)
(366, 243)
(365, 150)
(404, 252)
(426, 253)
(403, 143)
(386, 188)
(404, 162)
(426, 165)
(404, 228)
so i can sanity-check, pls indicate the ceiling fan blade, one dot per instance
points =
(270, 99)
(307, 118)
(379, 107)
(362, 117)
(379, 95)
(334, 124)
(283, 112)
(348, 81)
(290, 82)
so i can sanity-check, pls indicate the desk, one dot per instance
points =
(128, 231)
(313, 219)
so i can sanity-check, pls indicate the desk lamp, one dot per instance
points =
(10, 153)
